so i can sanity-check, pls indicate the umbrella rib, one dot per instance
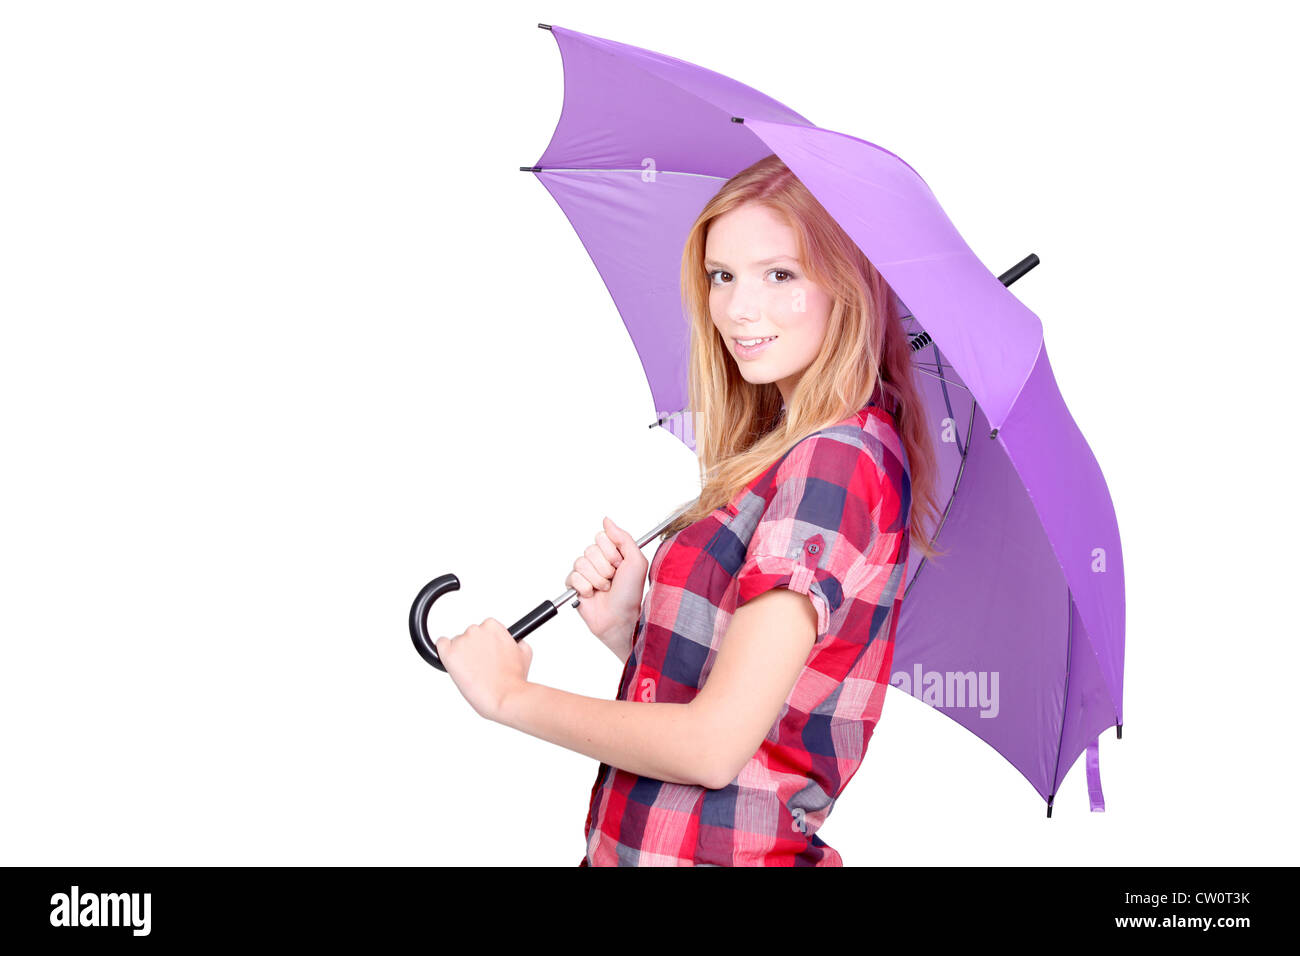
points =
(1069, 646)
(947, 399)
(936, 365)
(615, 169)
(945, 381)
(943, 519)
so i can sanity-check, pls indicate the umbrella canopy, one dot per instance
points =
(1017, 633)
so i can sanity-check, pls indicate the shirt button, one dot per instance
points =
(814, 548)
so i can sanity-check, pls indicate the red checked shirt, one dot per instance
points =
(828, 520)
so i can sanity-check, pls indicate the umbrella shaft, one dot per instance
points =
(641, 542)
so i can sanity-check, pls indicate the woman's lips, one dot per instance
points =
(752, 351)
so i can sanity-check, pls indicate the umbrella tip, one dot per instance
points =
(530, 169)
(738, 119)
(544, 26)
(1119, 731)
(1049, 805)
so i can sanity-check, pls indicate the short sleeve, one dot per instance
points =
(818, 525)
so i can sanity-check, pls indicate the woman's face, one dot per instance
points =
(758, 290)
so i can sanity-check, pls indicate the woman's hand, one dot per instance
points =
(610, 578)
(486, 664)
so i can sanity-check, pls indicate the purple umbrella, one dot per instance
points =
(1017, 632)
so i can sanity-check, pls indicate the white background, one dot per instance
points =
(286, 334)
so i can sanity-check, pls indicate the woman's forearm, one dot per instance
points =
(622, 646)
(661, 741)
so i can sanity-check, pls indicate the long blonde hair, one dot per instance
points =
(740, 430)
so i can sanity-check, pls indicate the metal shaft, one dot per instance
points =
(641, 543)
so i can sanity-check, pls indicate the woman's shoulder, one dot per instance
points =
(862, 457)
(867, 435)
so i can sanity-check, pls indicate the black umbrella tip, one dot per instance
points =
(544, 26)
(738, 119)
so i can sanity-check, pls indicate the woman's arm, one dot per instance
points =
(652, 740)
(704, 742)
(761, 657)
(622, 648)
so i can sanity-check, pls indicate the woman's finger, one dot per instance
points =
(599, 561)
(587, 570)
(609, 549)
(579, 584)
(625, 543)
(620, 538)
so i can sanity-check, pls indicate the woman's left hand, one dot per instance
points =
(486, 664)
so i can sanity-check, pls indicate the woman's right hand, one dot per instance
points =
(610, 578)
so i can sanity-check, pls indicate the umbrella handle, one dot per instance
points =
(518, 630)
(420, 613)
(449, 582)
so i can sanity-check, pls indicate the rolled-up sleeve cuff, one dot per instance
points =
(763, 572)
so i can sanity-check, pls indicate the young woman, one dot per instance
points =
(756, 667)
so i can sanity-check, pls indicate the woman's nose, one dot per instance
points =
(742, 305)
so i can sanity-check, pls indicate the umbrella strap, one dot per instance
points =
(1094, 778)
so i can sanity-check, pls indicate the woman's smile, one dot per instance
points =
(754, 347)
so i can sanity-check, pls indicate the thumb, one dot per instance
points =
(620, 537)
(624, 541)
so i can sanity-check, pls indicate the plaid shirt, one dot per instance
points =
(829, 520)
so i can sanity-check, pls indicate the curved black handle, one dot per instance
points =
(449, 582)
(420, 613)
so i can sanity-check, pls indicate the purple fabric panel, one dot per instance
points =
(1089, 709)
(634, 230)
(623, 104)
(995, 604)
(1069, 492)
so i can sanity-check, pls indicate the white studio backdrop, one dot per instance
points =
(286, 334)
